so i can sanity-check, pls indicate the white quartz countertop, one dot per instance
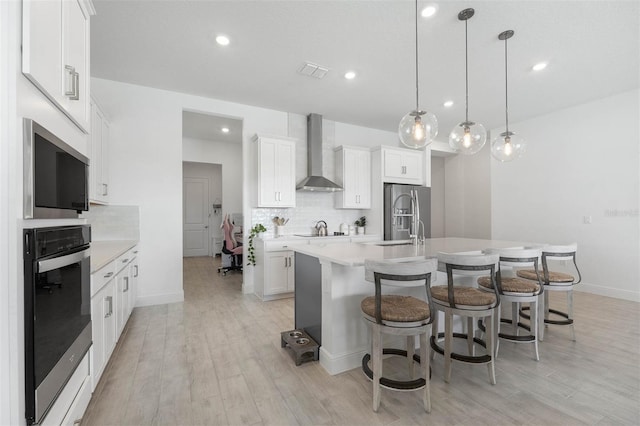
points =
(103, 252)
(354, 253)
(304, 238)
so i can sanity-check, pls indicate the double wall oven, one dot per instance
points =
(57, 311)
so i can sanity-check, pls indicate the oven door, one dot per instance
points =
(59, 329)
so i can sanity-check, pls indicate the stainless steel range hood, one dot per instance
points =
(315, 181)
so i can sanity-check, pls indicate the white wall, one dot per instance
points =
(580, 162)
(467, 185)
(146, 154)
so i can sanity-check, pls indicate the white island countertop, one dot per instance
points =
(354, 254)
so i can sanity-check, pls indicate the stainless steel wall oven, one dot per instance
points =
(57, 309)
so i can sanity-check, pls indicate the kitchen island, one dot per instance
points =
(330, 285)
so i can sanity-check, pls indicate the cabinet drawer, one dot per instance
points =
(101, 277)
(279, 245)
(124, 259)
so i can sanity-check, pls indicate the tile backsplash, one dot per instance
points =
(114, 222)
(310, 208)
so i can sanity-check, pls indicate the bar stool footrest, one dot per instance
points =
(390, 383)
(479, 359)
(567, 321)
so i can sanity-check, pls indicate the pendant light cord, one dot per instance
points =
(417, 88)
(506, 89)
(466, 72)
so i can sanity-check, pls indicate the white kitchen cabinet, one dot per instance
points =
(353, 173)
(55, 54)
(113, 289)
(99, 164)
(402, 166)
(275, 270)
(276, 171)
(103, 325)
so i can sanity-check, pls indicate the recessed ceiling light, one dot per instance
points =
(539, 66)
(222, 40)
(448, 104)
(225, 130)
(350, 75)
(429, 11)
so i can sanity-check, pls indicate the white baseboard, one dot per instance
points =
(340, 363)
(633, 296)
(159, 299)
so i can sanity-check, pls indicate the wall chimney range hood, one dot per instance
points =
(315, 182)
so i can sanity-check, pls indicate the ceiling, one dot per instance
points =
(592, 49)
(209, 127)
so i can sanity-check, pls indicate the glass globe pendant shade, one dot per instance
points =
(507, 147)
(468, 137)
(417, 129)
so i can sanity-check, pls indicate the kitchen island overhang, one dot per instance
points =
(341, 332)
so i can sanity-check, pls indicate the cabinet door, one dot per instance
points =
(75, 61)
(291, 275)
(363, 167)
(99, 309)
(393, 165)
(109, 319)
(412, 162)
(104, 162)
(95, 165)
(42, 44)
(350, 184)
(267, 192)
(286, 174)
(122, 300)
(134, 271)
(277, 272)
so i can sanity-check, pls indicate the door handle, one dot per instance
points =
(136, 268)
(126, 281)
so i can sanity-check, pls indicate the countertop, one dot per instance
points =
(103, 252)
(354, 254)
(305, 238)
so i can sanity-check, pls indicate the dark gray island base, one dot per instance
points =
(308, 296)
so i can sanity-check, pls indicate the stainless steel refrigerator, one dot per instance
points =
(398, 210)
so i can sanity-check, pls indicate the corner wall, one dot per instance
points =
(581, 164)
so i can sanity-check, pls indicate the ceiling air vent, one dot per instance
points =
(313, 70)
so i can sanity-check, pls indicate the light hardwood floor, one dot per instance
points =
(216, 359)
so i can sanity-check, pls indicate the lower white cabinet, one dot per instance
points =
(275, 270)
(113, 299)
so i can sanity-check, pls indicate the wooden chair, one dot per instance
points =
(398, 315)
(514, 291)
(467, 302)
(555, 281)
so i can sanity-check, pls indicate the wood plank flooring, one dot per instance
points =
(215, 359)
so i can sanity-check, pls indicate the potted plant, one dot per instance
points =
(360, 225)
(251, 255)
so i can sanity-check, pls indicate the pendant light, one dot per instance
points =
(418, 128)
(507, 146)
(467, 137)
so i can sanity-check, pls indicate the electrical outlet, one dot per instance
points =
(587, 220)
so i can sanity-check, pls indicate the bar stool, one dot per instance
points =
(398, 315)
(515, 291)
(468, 302)
(555, 281)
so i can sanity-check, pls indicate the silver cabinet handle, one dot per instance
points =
(125, 260)
(74, 93)
(285, 262)
(109, 299)
(136, 268)
(105, 189)
(126, 289)
(109, 275)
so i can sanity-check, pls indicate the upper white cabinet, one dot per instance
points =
(55, 53)
(402, 165)
(353, 173)
(99, 150)
(276, 171)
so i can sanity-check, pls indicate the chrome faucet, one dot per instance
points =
(414, 214)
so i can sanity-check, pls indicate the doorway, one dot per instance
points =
(212, 179)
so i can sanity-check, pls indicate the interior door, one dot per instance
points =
(195, 215)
